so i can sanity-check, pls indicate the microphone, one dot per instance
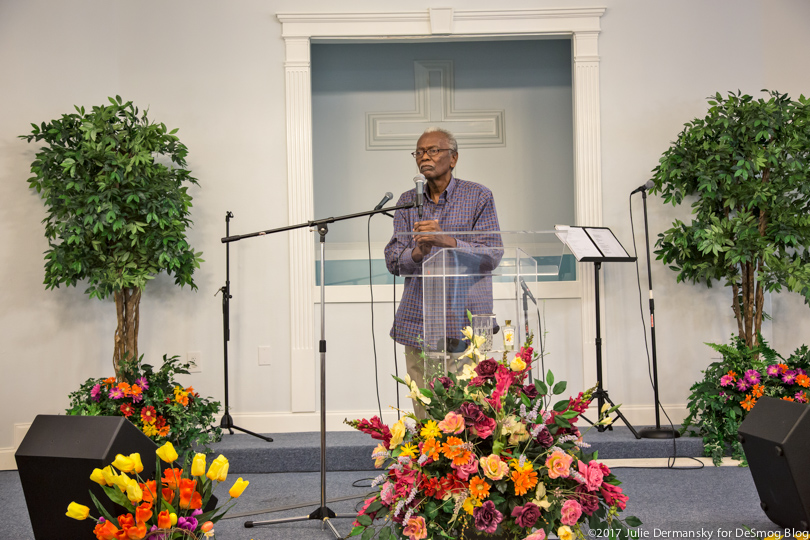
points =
(526, 291)
(420, 192)
(388, 196)
(645, 187)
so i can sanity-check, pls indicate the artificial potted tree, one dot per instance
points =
(744, 168)
(115, 186)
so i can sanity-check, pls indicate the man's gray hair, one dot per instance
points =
(449, 136)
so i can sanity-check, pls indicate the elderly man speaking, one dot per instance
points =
(450, 205)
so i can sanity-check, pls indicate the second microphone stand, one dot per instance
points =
(657, 432)
(227, 420)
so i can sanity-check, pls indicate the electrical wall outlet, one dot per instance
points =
(195, 359)
(264, 355)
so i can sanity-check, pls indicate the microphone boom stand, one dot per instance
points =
(227, 420)
(657, 432)
(323, 513)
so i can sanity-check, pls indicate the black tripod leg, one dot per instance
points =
(621, 416)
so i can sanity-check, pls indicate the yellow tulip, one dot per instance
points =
(122, 481)
(173, 517)
(167, 453)
(109, 475)
(215, 470)
(198, 465)
(123, 463)
(238, 487)
(134, 492)
(223, 472)
(97, 476)
(136, 460)
(77, 511)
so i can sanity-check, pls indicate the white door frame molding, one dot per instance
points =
(299, 30)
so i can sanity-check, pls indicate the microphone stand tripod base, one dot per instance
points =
(658, 433)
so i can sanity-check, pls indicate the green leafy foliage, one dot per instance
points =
(115, 186)
(720, 401)
(744, 168)
(160, 407)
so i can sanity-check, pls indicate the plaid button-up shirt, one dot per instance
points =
(463, 206)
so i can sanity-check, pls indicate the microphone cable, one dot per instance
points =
(671, 459)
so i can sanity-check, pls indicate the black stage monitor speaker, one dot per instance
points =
(55, 460)
(776, 439)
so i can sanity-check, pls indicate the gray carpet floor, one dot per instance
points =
(709, 501)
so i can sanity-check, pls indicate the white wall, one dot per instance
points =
(215, 70)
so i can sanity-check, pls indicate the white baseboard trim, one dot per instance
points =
(7, 461)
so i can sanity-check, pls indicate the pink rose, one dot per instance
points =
(571, 511)
(559, 464)
(484, 427)
(593, 474)
(468, 469)
(452, 423)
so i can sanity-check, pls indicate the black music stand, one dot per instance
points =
(597, 245)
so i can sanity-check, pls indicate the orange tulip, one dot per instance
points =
(106, 531)
(143, 513)
(164, 520)
(126, 521)
(171, 477)
(168, 495)
(137, 533)
(149, 489)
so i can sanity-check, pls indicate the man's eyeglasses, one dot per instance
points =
(431, 152)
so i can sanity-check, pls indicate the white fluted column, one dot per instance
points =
(587, 170)
(301, 207)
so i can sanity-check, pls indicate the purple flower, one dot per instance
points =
(544, 439)
(789, 377)
(487, 517)
(141, 381)
(486, 368)
(724, 395)
(526, 516)
(116, 393)
(187, 523)
(530, 390)
(801, 397)
(137, 399)
(800, 371)
(753, 377)
(726, 380)
(470, 411)
(95, 393)
(742, 385)
(772, 370)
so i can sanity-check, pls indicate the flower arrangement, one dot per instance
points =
(152, 400)
(494, 456)
(167, 507)
(730, 388)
